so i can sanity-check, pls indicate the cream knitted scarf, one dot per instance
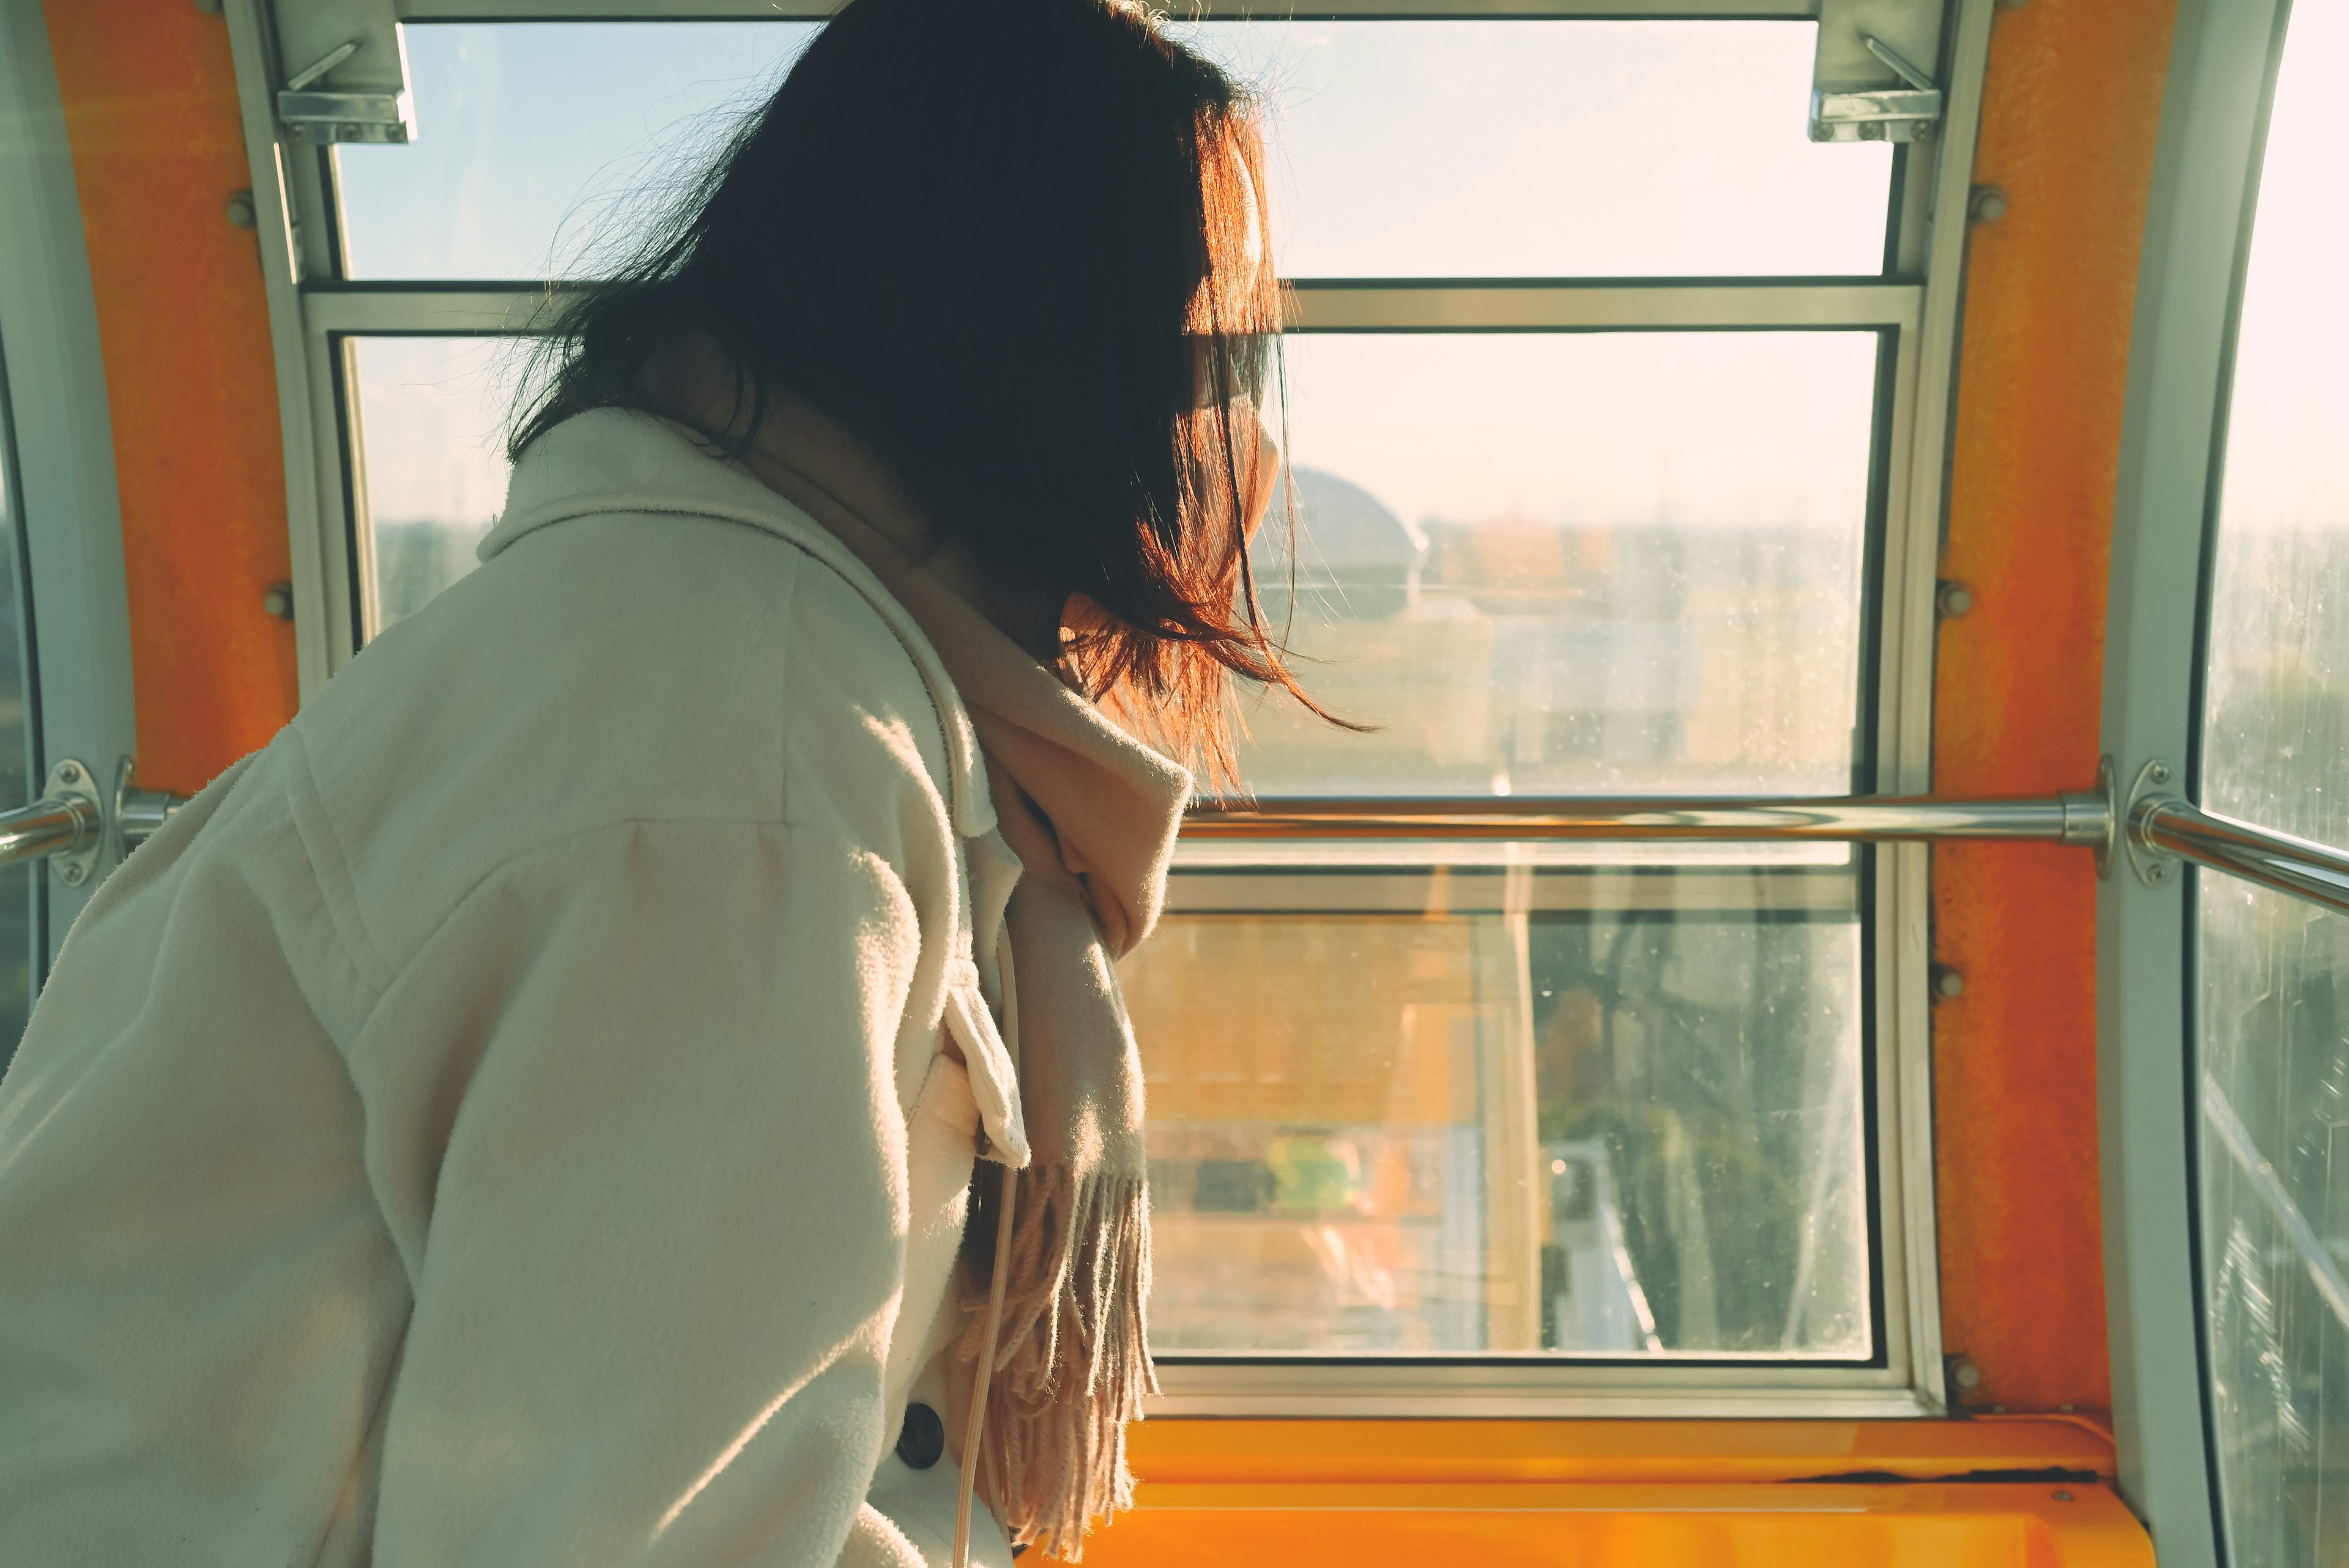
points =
(1092, 813)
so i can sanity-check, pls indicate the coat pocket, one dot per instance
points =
(941, 1146)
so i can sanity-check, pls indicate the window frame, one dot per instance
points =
(1913, 305)
(63, 509)
(2208, 160)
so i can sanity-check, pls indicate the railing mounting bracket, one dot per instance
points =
(2155, 784)
(138, 813)
(71, 785)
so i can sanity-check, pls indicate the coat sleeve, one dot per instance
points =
(631, 1119)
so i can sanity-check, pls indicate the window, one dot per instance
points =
(1566, 1102)
(1606, 1109)
(1616, 441)
(2272, 1016)
(1552, 125)
(434, 473)
(1561, 563)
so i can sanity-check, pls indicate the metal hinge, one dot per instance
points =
(1873, 80)
(1907, 113)
(380, 114)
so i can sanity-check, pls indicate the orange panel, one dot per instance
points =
(1623, 1492)
(1197, 1452)
(1993, 1526)
(2070, 107)
(158, 148)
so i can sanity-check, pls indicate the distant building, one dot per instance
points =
(1517, 655)
(1357, 560)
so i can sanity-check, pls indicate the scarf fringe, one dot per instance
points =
(1073, 1357)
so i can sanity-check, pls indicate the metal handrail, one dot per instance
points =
(2085, 817)
(53, 825)
(2166, 825)
(68, 824)
(2157, 829)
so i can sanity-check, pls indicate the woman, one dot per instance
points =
(528, 1114)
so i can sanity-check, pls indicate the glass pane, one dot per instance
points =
(2275, 745)
(1483, 148)
(1558, 564)
(1598, 564)
(431, 422)
(19, 883)
(2275, 1228)
(1493, 1107)
(540, 147)
(1543, 149)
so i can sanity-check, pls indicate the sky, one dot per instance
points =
(1463, 149)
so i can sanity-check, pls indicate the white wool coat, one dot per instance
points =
(506, 1121)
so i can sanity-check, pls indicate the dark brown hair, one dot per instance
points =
(1020, 247)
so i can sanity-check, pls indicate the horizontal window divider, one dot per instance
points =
(427, 309)
(1246, 10)
(1663, 303)
(1528, 1385)
(1729, 304)
(466, 308)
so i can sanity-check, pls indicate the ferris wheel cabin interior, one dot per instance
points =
(1801, 1023)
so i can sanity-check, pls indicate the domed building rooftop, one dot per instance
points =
(1356, 559)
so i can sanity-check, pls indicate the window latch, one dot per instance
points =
(373, 113)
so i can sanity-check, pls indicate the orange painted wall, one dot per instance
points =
(158, 147)
(2070, 111)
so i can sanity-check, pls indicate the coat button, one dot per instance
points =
(922, 1438)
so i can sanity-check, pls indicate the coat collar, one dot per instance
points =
(610, 460)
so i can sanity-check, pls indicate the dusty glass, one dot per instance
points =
(2274, 1023)
(1467, 149)
(1501, 1106)
(1571, 563)
(429, 463)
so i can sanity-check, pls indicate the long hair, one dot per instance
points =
(1021, 248)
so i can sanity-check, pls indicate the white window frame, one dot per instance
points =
(313, 316)
(2197, 238)
(74, 597)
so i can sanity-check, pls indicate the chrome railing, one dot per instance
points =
(52, 825)
(2082, 818)
(2314, 872)
(2153, 828)
(67, 825)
